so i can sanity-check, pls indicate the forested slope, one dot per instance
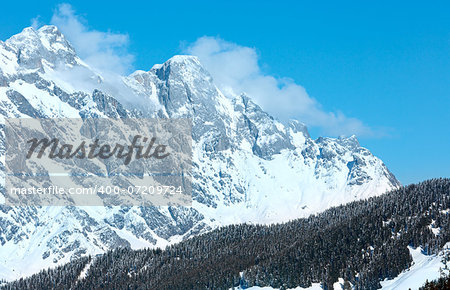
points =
(363, 242)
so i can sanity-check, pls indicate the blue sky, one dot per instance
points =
(379, 69)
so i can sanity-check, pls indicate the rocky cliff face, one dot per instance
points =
(248, 167)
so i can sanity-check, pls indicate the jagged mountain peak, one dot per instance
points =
(298, 126)
(50, 29)
(46, 46)
(186, 62)
(185, 68)
(184, 59)
(350, 142)
(46, 35)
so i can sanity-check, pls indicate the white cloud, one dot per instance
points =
(106, 51)
(236, 70)
(35, 22)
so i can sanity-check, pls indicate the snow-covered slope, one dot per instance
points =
(248, 167)
(424, 268)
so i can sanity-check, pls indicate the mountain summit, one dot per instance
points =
(247, 166)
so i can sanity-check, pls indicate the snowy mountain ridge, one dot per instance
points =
(248, 167)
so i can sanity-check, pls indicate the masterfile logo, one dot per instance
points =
(96, 150)
(98, 161)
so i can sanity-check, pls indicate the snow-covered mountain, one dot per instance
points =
(248, 167)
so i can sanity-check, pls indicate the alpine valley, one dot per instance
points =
(247, 166)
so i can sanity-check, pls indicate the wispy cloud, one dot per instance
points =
(106, 51)
(35, 22)
(236, 69)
